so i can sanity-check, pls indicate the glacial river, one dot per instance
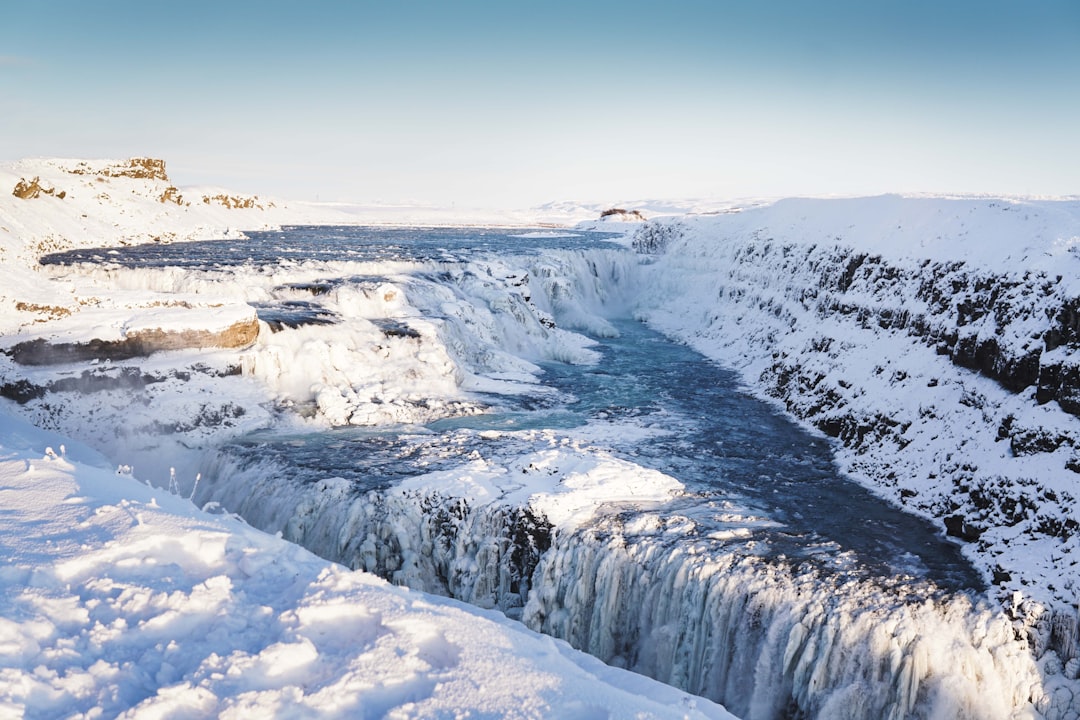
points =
(725, 443)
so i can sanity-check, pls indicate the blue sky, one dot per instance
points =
(519, 103)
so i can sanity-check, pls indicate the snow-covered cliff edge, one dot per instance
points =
(55, 205)
(935, 339)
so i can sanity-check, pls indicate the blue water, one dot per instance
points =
(321, 243)
(726, 445)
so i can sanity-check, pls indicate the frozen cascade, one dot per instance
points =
(483, 555)
(651, 591)
(772, 643)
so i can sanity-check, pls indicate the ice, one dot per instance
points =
(567, 539)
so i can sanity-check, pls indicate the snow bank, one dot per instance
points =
(96, 203)
(54, 205)
(123, 600)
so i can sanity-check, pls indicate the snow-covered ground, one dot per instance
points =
(915, 330)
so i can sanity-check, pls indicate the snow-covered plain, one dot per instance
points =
(863, 317)
(122, 600)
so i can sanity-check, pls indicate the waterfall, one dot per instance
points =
(770, 638)
(771, 641)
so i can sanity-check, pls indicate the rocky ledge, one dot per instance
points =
(137, 344)
(123, 332)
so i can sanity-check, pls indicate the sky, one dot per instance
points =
(515, 104)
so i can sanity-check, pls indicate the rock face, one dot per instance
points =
(172, 195)
(136, 344)
(952, 387)
(621, 215)
(29, 190)
(140, 168)
(234, 202)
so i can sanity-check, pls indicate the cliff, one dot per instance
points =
(935, 339)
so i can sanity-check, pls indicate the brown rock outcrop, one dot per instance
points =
(30, 190)
(141, 168)
(137, 344)
(621, 214)
(172, 195)
(234, 202)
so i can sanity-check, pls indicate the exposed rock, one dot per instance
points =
(22, 391)
(30, 190)
(234, 202)
(50, 311)
(136, 344)
(958, 527)
(619, 214)
(172, 195)
(141, 168)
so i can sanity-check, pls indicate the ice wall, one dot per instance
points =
(771, 641)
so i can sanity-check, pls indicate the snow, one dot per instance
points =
(565, 484)
(120, 600)
(753, 289)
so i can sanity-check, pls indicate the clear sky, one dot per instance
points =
(518, 103)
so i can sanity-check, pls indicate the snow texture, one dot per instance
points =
(119, 600)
